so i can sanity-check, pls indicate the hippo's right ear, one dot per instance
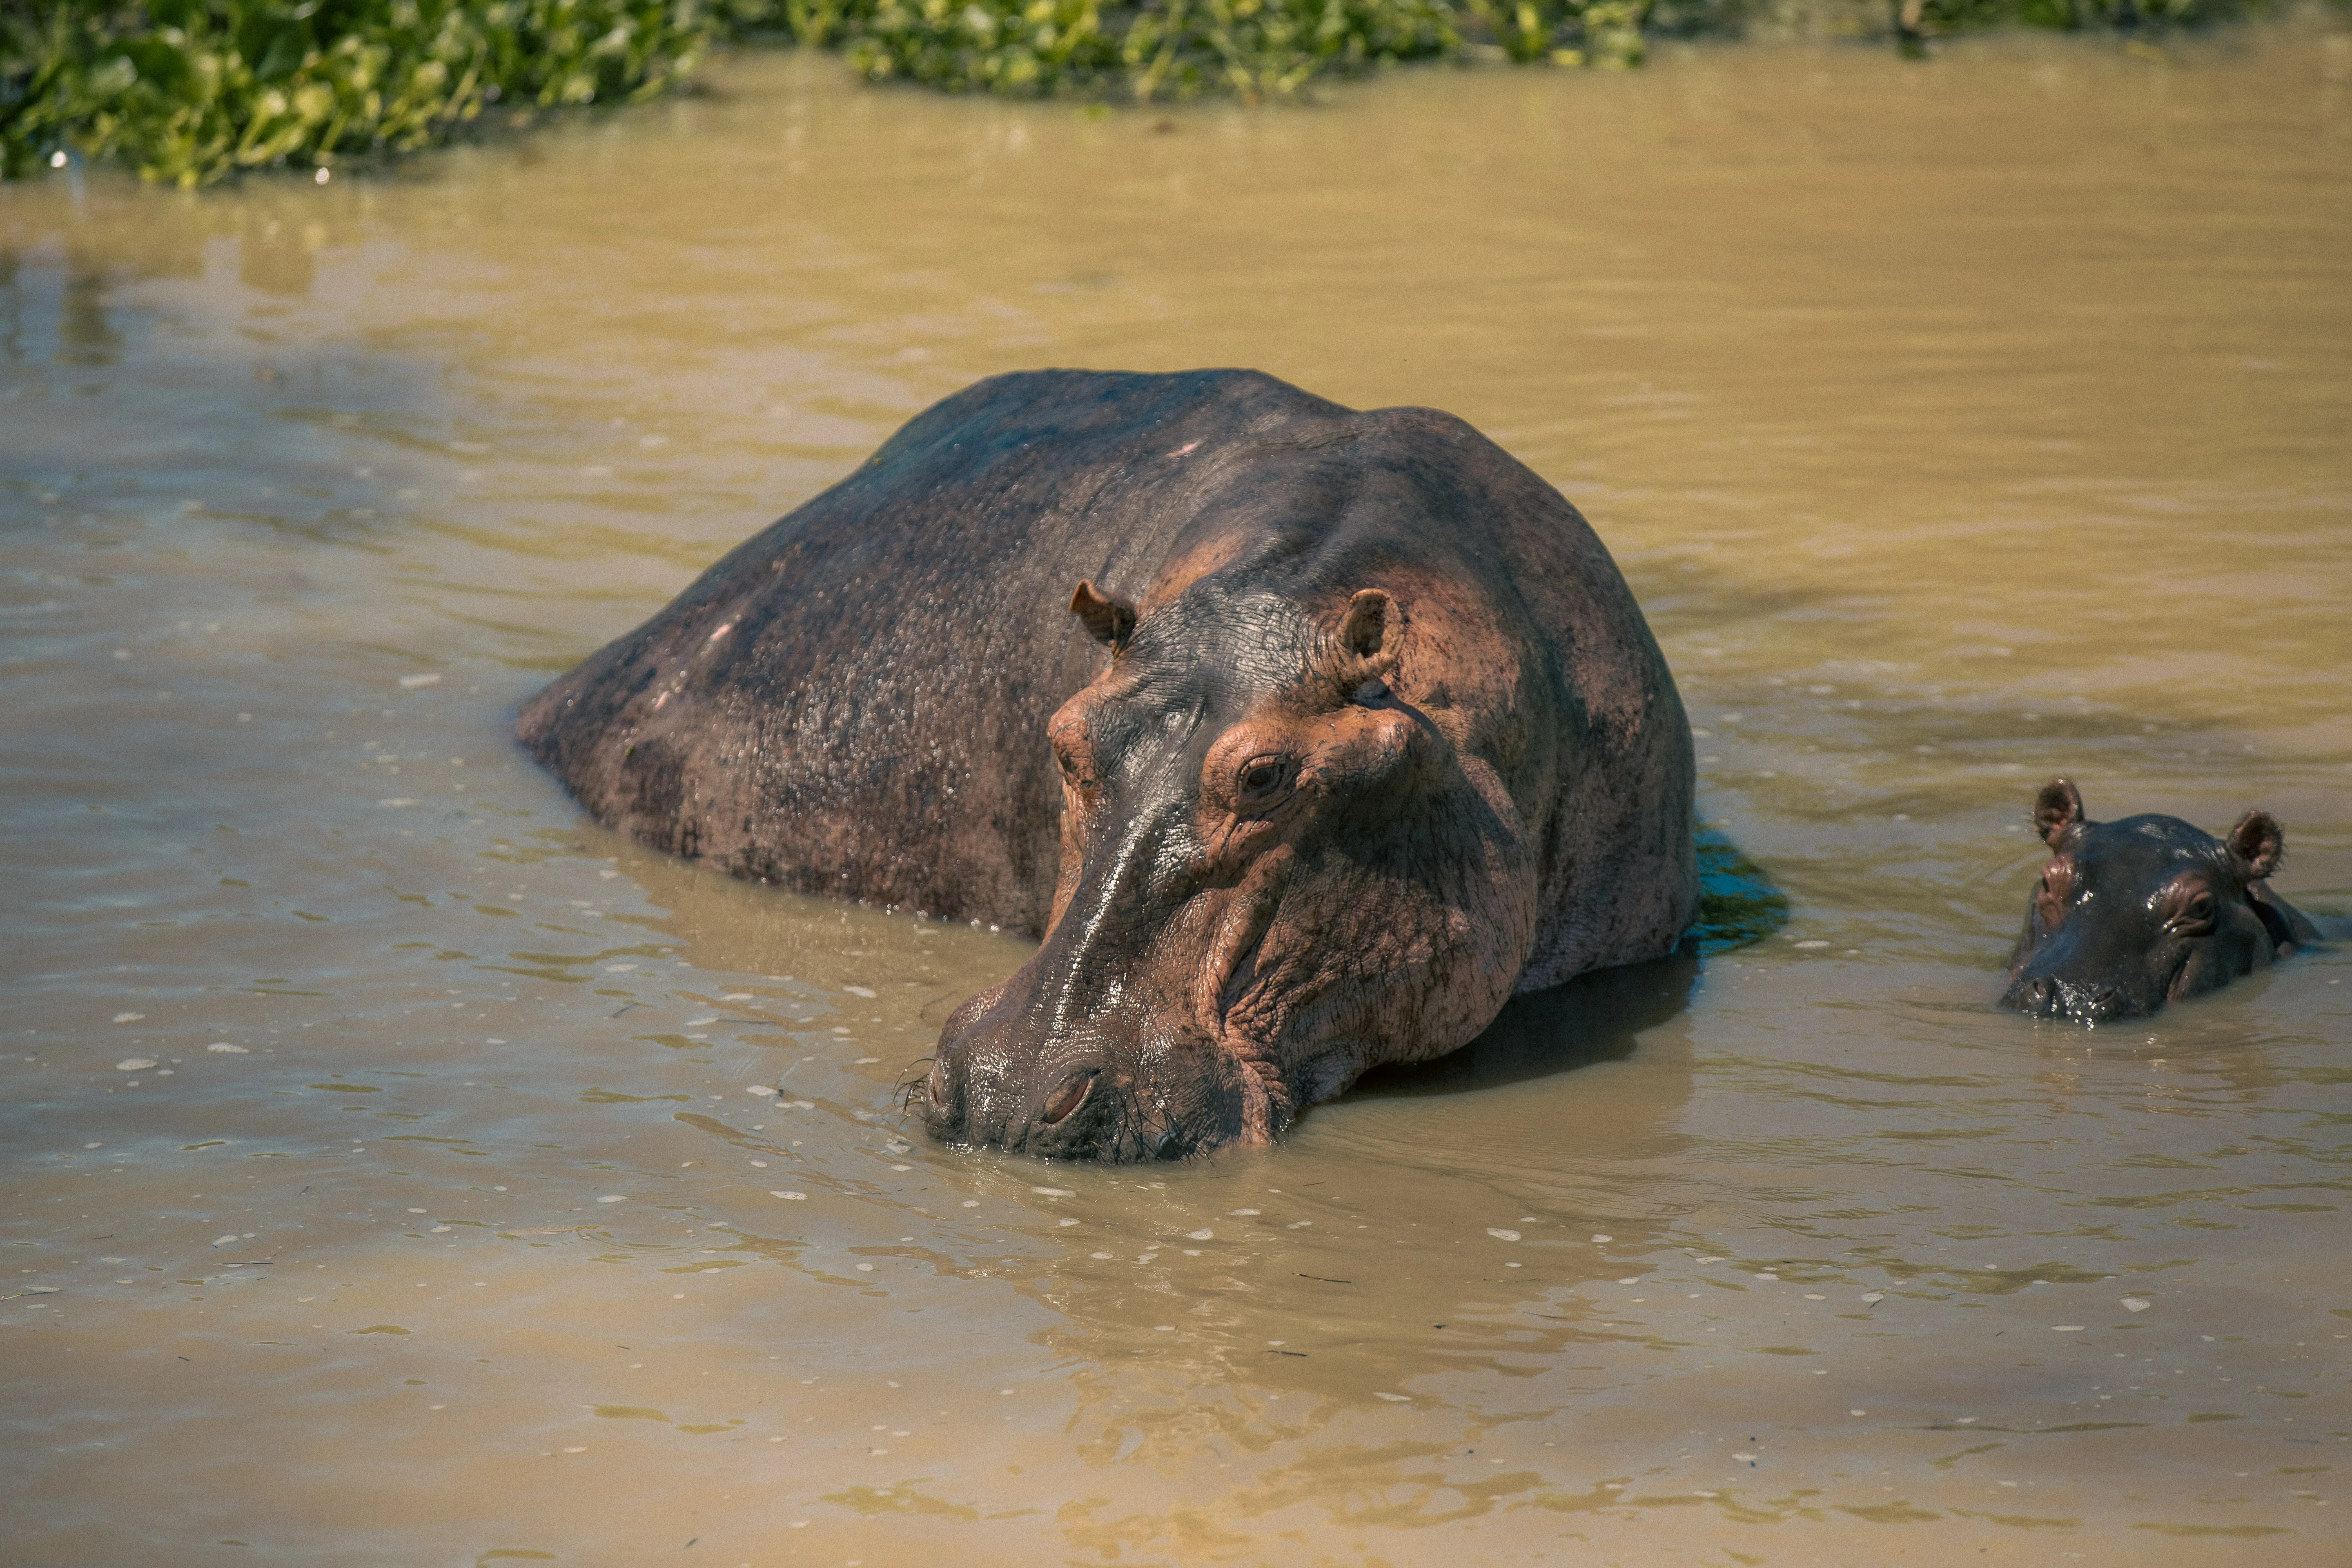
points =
(1107, 620)
(2057, 812)
(2257, 845)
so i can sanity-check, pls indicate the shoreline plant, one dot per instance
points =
(191, 92)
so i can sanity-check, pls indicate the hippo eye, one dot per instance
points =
(1068, 1097)
(2197, 914)
(1263, 775)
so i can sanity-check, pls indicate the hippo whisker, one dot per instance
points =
(919, 1073)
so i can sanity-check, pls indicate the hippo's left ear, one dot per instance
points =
(1107, 620)
(1364, 647)
(2257, 845)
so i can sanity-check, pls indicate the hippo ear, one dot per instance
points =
(2057, 812)
(2257, 845)
(1364, 646)
(1107, 620)
(1366, 628)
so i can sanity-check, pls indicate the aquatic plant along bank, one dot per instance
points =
(194, 91)
(397, 1168)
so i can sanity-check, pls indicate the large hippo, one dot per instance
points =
(1302, 737)
(2129, 915)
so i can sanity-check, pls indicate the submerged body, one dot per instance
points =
(1355, 731)
(2132, 914)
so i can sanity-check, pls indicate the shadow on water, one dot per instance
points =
(1600, 1016)
(1596, 1017)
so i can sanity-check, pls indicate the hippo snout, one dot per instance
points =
(1097, 1092)
(2047, 996)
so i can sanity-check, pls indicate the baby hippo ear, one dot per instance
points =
(1107, 620)
(2057, 812)
(2257, 845)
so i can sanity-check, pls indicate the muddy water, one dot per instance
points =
(394, 1173)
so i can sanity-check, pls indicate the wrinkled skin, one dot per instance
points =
(1275, 872)
(1349, 731)
(2129, 915)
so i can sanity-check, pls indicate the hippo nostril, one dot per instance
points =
(2091, 1001)
(1068, 1097)
(936, 1086)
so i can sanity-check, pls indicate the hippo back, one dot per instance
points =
(850, 703)
(853, 702)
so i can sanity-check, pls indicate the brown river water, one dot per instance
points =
(393, 1169)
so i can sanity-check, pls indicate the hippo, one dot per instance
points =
(2132, 914)
(1300, 738)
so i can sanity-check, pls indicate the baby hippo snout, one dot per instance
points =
(2050, 997)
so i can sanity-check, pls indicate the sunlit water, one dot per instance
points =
(1958, 425)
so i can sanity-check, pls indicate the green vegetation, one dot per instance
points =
(190, 91)
(193, 91)
(1181, 48)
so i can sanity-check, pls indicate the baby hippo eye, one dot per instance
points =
(2186, 906)
(2050, 893)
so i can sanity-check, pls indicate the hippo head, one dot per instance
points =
(2129, 915)
(1273, 865)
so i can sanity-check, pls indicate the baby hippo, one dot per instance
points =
(2130, 915)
